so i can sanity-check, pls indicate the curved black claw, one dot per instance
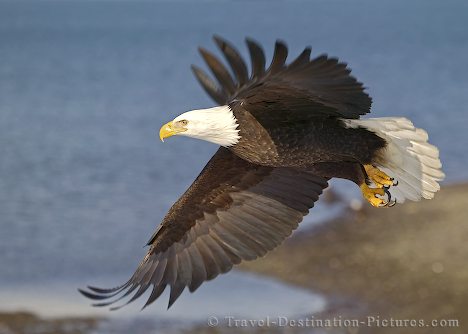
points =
(389, 197)
(392, 203)
(395, 183)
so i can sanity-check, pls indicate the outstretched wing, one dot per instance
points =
(319, 87)
(233, 211)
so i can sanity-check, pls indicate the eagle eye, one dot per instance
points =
(183, 122)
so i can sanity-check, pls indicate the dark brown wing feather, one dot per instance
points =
(233, 211)
(234, 59)
(219, 71)
(257, 57)
(211, 88)
(319, 87)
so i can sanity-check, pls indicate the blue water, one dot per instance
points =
(85, 86)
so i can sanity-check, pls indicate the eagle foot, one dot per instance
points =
(379, 178)
(371, 195)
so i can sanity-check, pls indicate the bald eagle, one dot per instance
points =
(283, 132)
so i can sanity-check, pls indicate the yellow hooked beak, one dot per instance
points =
(166, 131)
(169, 129)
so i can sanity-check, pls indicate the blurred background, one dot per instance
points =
(84, 179)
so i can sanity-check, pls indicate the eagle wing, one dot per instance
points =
(233, 211)
(305, 88)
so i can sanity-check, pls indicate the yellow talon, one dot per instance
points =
(370, 195)
(379, 178)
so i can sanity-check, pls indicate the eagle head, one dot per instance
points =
(217, 125)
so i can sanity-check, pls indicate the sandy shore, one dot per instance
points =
(405, 262)
(25, 322)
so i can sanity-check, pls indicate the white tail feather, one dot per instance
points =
(408, 157)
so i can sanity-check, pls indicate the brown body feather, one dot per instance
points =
(295, 142)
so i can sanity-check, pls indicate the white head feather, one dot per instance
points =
(216, 125)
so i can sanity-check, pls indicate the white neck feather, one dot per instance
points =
(217, 125)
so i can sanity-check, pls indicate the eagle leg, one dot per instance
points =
(370, 194)
(379, 178)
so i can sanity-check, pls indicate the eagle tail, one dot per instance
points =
(407, 157)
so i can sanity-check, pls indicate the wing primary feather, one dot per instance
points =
(234, 59)
(94, 296)
(198, 268)
(141, 289)
(211, 266)
(157, 291)
(139, 292)
(176, 290)
(257, 57)
(222, 260)
(302, 59)
(170, 274)
(219, 71)
(103, 295)
(130, 290)
(100, 290)
(210, 87)
(279, 57)
(158, 272)
(184, 270)
(145, 281)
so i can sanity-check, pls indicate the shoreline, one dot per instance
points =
(406, 262)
